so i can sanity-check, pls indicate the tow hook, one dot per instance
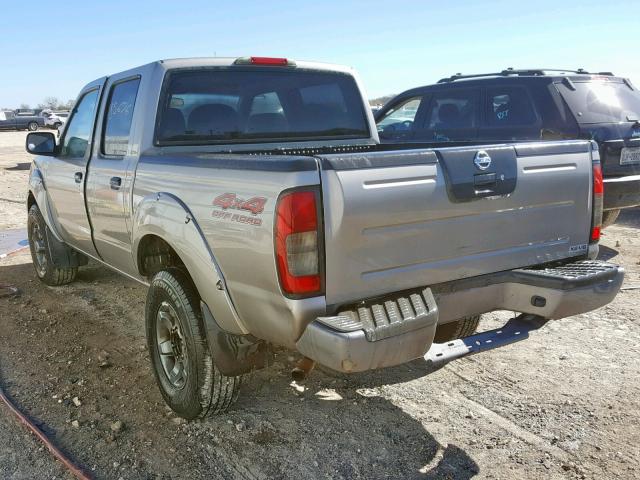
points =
(302, 369)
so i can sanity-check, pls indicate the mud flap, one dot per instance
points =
(233, 354)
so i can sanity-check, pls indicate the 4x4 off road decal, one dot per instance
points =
(226, 201)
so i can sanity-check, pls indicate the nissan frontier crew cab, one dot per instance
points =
(254, 199)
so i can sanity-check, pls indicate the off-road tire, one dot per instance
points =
(38, 244)
(32, 126)
(205, 390)
(609, 217)
(459, 329)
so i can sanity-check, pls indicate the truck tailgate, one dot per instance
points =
(401, 219)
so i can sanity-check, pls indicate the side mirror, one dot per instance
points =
(41, 143)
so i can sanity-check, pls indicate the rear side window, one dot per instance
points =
(452, 110)
(601, 101)
(509, 106)
(250, 105)
(118, 116)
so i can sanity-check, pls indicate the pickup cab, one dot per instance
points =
(10, 121)
(254, 199)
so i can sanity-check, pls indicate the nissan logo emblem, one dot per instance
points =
(482, 160)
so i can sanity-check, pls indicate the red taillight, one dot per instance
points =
(297, 243)
(598, 192)
(598, 183)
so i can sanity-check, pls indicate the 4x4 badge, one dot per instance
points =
(482, 160)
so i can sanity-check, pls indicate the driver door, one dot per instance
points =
(66, 173)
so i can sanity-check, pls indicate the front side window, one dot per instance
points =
(403, 113)
(118, 116)
(249, 105)
(453, 110)
(509, 106)
(76, 137)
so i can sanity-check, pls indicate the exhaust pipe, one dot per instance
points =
(302, 369)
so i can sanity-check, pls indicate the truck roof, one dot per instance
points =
(229, 61)
(189, 62)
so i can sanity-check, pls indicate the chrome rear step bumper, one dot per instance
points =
(398, 328)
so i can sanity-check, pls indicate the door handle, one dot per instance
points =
(78, 177)
(115, 183)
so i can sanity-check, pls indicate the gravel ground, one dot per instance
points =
(563, 404)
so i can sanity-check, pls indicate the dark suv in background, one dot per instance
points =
(536, 104)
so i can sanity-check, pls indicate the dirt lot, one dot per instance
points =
(563, 404)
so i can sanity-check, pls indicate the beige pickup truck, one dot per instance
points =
(254, 199)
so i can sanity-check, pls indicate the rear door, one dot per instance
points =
(402, 219)
(110, 179)
(65, 174)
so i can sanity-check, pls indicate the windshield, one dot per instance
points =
(602, 101)
(250, 105)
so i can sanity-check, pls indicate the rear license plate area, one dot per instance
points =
(629, 155)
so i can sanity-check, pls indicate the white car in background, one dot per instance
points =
(55, 119)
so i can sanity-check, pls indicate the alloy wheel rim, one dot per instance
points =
(39, 249)
(171, 345)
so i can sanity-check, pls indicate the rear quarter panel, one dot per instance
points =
(241, 241)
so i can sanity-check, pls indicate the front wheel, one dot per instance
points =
(189, 381)
(40, 254)
(32, 126)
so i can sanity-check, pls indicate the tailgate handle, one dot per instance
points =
(484, 179)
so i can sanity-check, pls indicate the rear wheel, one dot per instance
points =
(609, 217)
(189, 381)
(32, 126)
(458, 329)
(42, 261)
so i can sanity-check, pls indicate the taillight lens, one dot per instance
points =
(268, 61)
(297, 243)
(598, 194)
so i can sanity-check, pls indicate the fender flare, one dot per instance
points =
(38, 189)
(166, 216)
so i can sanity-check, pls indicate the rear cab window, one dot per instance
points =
(214, 105)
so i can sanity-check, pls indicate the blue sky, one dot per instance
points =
(53, 48)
